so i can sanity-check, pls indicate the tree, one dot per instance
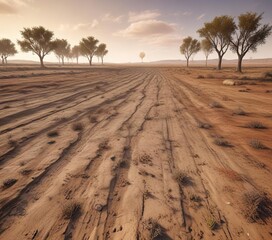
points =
(188, 47)
(88, 47)
(76, 52)
(101, 51)
(62, 49)
(249, 35)
(7, 48)
(207, 48)
(218, 32)
(37, 40)
(142, 55)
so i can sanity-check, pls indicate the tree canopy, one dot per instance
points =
(76, 52)
(142, 55)
(250, 33)
(7, 48)
(207, 48)
(188, 47)
(101, 51)
(218, 32)
(88, 47)
(37, 40)
(62, 49)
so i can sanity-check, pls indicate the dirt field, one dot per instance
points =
(135, 153)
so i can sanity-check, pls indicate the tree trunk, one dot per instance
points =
(77, 60)
(187, 60)
(206, 61)
(240, 59)
(41, 61)
(102, 60)
(219, 62)
(3, 61)
(91, 58)
(62, 60)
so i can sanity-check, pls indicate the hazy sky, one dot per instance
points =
(127, 26)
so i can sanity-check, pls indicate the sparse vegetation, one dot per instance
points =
(256, 125)
(77, 127)
(181, 177)
(257, 144)
(230, 174)
(71, 209)
(9, 182)
(53, 134)
(256, 206)
(154, 228)
(195, 198)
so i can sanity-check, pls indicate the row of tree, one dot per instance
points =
(223, 33)
(41, 42)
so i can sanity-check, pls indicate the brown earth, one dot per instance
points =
(130, 153)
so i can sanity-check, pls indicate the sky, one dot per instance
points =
(128, 27)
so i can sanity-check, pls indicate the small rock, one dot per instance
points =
(98, 207)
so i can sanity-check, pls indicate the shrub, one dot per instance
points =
(53, 134)
(77, 127)
(71, 209)
(256, 206)
(9, 182)
(181, 177)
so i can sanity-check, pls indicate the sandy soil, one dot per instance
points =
(135, 153)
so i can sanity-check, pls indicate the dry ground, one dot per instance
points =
(135, 153)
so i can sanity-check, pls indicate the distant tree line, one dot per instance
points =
(41, 42)
(223, 33)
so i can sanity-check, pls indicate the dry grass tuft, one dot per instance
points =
(257, 144)
(26, 171)
(9, 182)
(256, 206)
(211, 223)
(256, 125)
(71, 209)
